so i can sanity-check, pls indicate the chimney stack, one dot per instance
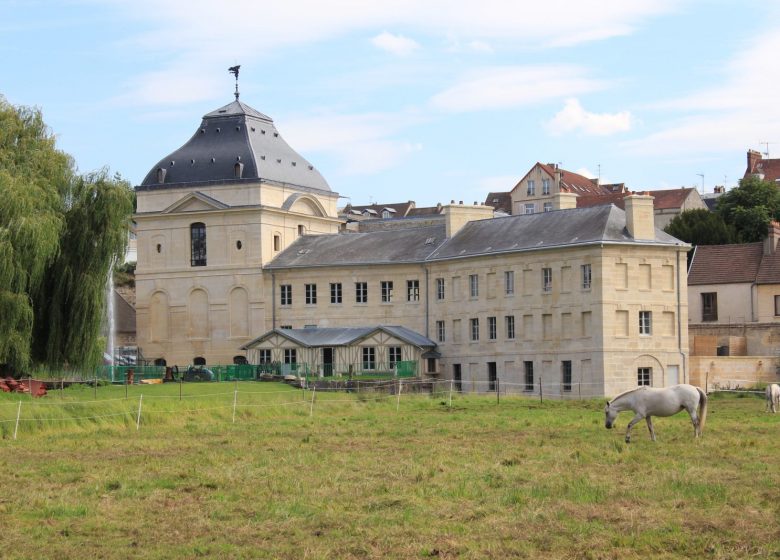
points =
(753, 157)
(458, 215)
(773, 235)
(640, 218)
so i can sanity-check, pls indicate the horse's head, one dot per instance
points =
(610, 414)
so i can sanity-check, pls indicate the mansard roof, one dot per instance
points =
(234, 143)
(527, 232)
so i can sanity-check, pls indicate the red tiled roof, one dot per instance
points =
(587, 201)
(726, 264)
(769, 167)
(670, 198)
(573, 182)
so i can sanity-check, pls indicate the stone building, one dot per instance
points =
(209, 216)
(588, 300)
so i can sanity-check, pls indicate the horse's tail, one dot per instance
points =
(702, 409)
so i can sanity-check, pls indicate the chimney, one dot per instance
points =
(753, 157)
(458, 215)
(773, 236)
(564, 200)
(720, 189)
(558, 176)
(640, 220)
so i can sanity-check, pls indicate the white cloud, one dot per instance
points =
(733, 115)
(363, 144)
(513, 86)
(395, 44)
(573, 117)
(200, 33)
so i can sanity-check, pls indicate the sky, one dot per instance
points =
(424, 100)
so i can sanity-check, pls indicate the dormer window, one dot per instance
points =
(161, 174)
(238, 170)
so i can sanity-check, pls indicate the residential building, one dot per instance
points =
(764, 169)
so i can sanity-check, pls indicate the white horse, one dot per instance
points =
(773, 397)
(647, 402)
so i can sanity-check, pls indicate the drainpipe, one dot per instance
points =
(679, 322)
(427, 299)
(273, 300)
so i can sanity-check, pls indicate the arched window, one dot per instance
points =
(160, 362)
(161, 174)
(240, 360)
(238, 170)
(199, 361)
(198, 244)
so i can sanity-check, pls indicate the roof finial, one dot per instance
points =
(234, 70)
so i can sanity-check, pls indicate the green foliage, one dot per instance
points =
(59, 234)
(701, 227)
(33, 177)
(750, 207)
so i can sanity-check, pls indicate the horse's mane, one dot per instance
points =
(625, 393)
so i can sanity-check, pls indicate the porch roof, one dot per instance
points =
(342, 336)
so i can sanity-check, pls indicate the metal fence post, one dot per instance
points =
(498, 391)
(541, 396)
(311, 409)
(138, 419)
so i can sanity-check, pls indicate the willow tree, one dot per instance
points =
(34, 175)
(59, 235)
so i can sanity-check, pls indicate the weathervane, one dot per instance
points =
(234, 70)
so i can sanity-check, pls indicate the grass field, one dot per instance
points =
(370, 478)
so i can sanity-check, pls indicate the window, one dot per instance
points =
(440, 288)
(412, 290)
(369, 357)
(335, 292)
(509, 282)
(474, 329)
(644, 376)
(265, 356)
(457, 380)
(277, 243)
(286, 293)
(547, 279)
(547, 207)
(361, 292)
(529, 208)
(566, 375)
(386, 214)
(311, 294)
(645, 322)
(531, 189)
(492, 376)
(474, 285)
(288, 327)
(510, 326)
(777, 305)
(440, 334)
(301, 229)
(290, 356)
(492, 328)
(545, 186)
(709, 306)
(586, 276)
(198, 244)
(394, 353)
(528, 376)
(387, 291)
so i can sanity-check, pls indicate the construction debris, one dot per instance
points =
(11, 385)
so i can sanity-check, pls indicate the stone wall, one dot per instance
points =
(730, 372)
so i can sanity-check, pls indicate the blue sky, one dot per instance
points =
(412, 99)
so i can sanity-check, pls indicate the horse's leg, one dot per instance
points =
(650, 427)
(695, 422)
(631, 424)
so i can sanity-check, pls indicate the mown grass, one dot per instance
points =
(360, 479)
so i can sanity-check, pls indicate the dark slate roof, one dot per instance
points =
(560, 228)
(376, 247)
(235, 133)
(501, 201)
(725, 264)
(580, 226)
(343, 336)
(124, 314)
(400, 209)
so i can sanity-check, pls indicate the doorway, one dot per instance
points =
(327, 362)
